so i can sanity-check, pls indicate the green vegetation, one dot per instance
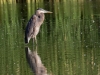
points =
(68, 42)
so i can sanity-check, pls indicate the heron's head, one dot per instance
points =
(40, 10)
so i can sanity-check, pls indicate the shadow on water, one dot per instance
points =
(35, 62)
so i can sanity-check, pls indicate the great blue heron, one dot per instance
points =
(35, 62)
(33, 26)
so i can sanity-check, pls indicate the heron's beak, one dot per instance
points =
(45, 11)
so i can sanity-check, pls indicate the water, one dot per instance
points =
(68, 41)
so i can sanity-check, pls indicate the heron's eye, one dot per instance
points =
(38, 16)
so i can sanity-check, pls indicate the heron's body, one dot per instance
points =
(34, 24)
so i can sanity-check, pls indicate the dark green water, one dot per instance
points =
(68, 41)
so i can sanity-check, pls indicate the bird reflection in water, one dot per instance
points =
(35, 62)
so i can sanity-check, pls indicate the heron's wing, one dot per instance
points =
(30, 25)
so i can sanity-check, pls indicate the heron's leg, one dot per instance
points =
(35, 40)
(36, 48)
